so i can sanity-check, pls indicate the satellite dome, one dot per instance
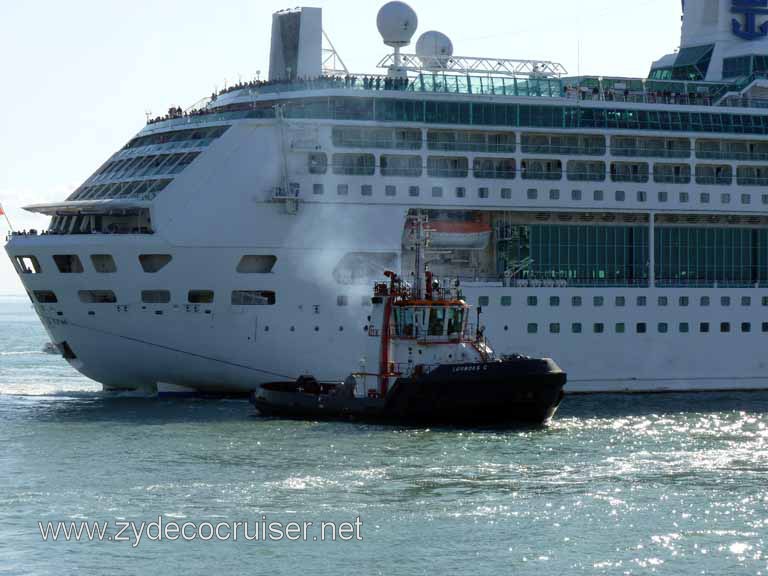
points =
(433, 48)
(397, 24)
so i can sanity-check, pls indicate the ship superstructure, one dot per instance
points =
(619, 225)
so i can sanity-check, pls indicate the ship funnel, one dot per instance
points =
(297, 44)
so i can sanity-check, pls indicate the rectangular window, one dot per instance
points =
(318, 163)
(413, 191)
(575, 195)
(684, 328)
(704, 327)
(765, 327)
(642, 196)
(533, 328)
(663, 301)
(483, 193)
(506, 193)
(354, 164)
(620, 195)
(746, 327)
(725, 327)
(554, 301)
(554, 328)
(554, 194)
(103, 263)
(447, 167)
(200, 297)
(483, 301)
(576, 328)
(621, 328)
(390, 190)
(704, 301)
(641, 328)
(506, 300)
(576, 301)
(318, 189)
(342, 190)
(68, 264)
(155, 296)
(663, 196)
(683, 301)
(746, 199)
(342, 300)
(598, 301)
(599, 328)
(598, 195)
(746, 301)
(532, 194)
(533, 301)
(663, 327)
(97, 297)
(725, 301)
(642, 301)
(28, 265)
(45, 297)
(437, 192)
(621, 301)
(403, 166)
(461, 192)
(499, 168)
(256, 264)
(725, 198)
(704, 197)
(253, 298)
(684, 197)
(366, 190)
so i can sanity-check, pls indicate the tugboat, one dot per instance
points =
(432, 367)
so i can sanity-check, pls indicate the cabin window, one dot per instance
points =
(455, 321)
(354, 164)
(436, 321)
(506, 300)
(437, 192)
(746, 301)
(155, 296)
(483, 193)
(318, 163)
(104, 263)
(390, 190)
(408, 166)
(253, 264)
(366, 190)
(663, 327)
(506, 193)
(503, 168)
(576, 328)
(483, 301)
(342, 300)
(318, 189)
(342, 190)
(153, 263)
(641, 327)
(704, 327)
(97, 297)
(45, 297)
(621, 301)
(28, 265)
(746, 327)
(576, 301)
(725, 327)
(253, 298)
(68, 264)
(533, 328)
(413, 191)
(554, 328)
(200, 297)
(599, 328)
(621, 328)
(461, 192)
(684, 328)
(447, 167)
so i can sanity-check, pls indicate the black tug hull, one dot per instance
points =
(518, 391)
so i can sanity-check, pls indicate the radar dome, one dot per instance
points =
(433, 49)
(397, 24)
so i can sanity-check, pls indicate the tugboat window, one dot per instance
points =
(437, 321)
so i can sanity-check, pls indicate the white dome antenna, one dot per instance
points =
(434, 49)
(397, 23)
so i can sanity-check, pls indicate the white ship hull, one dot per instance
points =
(328, 211)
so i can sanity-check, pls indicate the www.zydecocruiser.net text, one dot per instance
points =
(162, 529)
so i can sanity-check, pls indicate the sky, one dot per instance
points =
(79, 76)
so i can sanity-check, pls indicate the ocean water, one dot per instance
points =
(668, 484)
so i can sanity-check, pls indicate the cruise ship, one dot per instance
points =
(618, 225)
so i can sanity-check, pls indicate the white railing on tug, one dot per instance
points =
(474, 65)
